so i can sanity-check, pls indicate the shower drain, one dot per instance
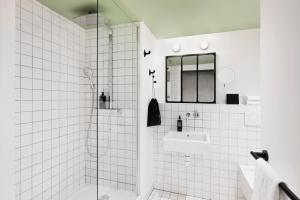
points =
(104, 197)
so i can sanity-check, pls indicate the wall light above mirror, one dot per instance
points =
(176, 48)
(204, 45)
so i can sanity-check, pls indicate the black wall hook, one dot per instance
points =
(153, 79)
(151, 72)
(146, 53)
(264, 155)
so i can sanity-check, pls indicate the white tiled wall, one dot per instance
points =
(50, 105)
(118, 127)
(211, 176)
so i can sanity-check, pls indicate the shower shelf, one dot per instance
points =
(118, 109)
(111, 111)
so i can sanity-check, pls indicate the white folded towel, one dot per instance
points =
(253, 100)
(266, 182)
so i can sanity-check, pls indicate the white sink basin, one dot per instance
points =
(187, 142)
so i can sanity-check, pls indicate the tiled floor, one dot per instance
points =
(164, 195)
(89, 192)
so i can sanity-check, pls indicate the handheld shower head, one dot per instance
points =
(88, 73)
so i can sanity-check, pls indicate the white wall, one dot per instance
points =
(280, 71)
(7, 50)
(147, 42)
(238, 50)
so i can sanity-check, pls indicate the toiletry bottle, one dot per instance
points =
(179, 124)
(102, 101)
(107, 104)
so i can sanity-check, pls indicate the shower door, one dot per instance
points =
(116, 116)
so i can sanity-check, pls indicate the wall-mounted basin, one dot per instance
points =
(187, 142)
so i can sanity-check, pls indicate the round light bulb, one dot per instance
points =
(176, 48)
(204, 45)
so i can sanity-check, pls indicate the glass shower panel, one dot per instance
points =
(117, 104)
(70, 136)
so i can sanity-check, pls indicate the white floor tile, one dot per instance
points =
(165, 195)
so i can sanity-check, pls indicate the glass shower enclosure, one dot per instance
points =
(76, 101)
(111, 62)
(115, 132)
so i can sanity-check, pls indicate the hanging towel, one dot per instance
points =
(266, 182)
(153, 113)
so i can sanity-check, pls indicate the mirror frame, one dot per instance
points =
(181, 57)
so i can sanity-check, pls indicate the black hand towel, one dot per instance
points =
(153, 113)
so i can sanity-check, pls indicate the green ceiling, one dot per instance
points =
(170, 18)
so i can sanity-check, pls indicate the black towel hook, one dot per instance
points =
(264, 155)
(146, 53)
(151, 72)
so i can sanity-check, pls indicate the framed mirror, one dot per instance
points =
(191, 78)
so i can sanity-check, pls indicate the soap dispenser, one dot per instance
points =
(179, 124)
(102, 102)
(107, 104)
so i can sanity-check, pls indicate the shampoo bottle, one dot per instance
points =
(102, 101)
(179, 124)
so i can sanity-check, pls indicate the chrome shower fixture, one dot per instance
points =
(88, 73)
(90, 20)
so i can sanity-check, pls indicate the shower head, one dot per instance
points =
(90, 20)
(88, 73)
